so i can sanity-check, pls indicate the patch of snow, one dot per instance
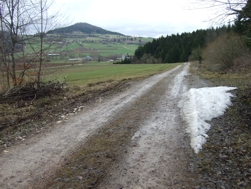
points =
(200, 105)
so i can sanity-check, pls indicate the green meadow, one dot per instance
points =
(82, 75)
(108, 46)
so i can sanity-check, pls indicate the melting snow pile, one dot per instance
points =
(200, 105)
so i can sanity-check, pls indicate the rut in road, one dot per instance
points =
(152, 154)
(158, 156)
(142, 146)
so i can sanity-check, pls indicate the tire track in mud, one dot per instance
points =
(159, 152)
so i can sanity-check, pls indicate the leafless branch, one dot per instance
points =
(224, 11)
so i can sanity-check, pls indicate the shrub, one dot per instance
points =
(243, 63)
(220, 54)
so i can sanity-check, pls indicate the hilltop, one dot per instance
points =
(84, 28)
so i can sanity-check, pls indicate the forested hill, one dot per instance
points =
(177, 48)
(83, 28)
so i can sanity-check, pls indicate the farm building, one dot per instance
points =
(87, 58)
(74, 59)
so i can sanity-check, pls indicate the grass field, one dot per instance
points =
(110, 49)
(82, 75)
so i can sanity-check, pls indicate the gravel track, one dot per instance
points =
(155, 154)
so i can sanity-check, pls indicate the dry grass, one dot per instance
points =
(237, 77)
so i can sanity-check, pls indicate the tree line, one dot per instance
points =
(177, 48)
(220, 45)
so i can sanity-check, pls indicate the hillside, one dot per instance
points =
(83, 28)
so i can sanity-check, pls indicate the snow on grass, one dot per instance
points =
(200, 105)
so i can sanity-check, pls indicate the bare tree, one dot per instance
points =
(225, 11)
(3, 58)
(18, 18)
(42, 23)
(14, 22)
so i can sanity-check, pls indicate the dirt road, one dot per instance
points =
(153, 154)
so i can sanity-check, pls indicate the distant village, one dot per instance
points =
(85, 54)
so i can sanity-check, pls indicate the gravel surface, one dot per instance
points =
(149, 148)
(131, 139)
(158, 151)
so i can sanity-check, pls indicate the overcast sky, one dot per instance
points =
(137, 17)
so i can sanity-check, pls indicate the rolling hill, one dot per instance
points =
(84, 28)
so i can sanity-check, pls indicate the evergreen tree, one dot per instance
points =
(177, 48)
(183, 57)
(243, 22)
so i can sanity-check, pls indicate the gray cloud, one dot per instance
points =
(137, 18)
